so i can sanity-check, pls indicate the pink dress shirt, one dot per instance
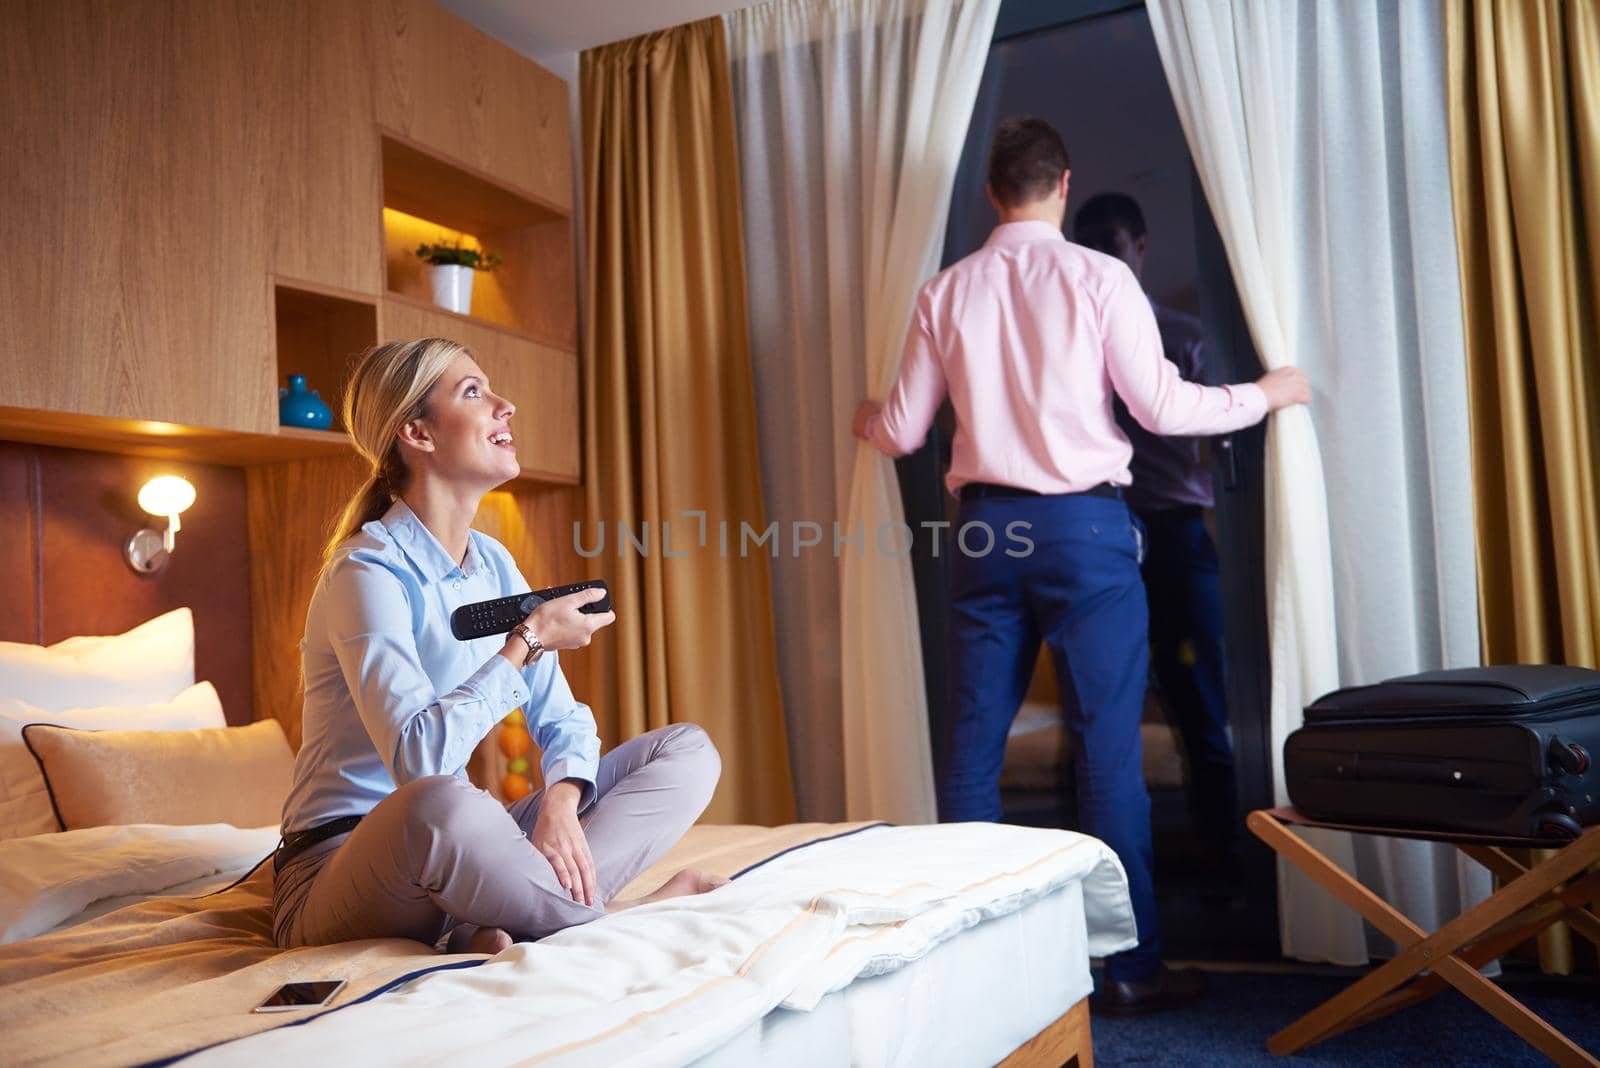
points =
(1169, 472)
(1030, 336)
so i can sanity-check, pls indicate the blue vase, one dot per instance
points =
(299, 407)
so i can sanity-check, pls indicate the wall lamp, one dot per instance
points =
(167, 495)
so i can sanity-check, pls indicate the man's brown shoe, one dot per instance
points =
(1167, 989)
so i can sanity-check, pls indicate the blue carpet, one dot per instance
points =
(1230, 1026)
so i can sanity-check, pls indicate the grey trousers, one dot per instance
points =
(439, 851)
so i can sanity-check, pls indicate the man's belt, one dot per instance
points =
(973, 491)
(299, 841)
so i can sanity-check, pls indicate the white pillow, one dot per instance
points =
(151, 663)
(24, 800)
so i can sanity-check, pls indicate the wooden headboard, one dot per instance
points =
(65, 515)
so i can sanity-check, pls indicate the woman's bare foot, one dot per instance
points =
(686, 882)
(468, 938)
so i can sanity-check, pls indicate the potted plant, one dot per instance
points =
(450, 268)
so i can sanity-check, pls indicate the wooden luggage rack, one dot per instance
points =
(1562, 888)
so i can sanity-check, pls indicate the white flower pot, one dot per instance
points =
(452, 286)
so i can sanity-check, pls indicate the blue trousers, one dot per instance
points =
(1078, 590)
(1180, 577)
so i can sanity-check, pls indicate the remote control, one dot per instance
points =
(483, 618)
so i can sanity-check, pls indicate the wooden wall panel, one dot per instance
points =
(292, 509)
(66, 516)
(310, 72)
(136, 264)
(447, 86)
(538, 283)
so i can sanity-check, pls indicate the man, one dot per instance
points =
(1170, 492)
(1030, 336)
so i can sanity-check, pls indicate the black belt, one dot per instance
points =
(973, 491)
(300, 841)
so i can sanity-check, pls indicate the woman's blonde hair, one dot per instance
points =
(388, 388)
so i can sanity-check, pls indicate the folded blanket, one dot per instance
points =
(48, 879)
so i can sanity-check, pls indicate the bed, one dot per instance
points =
(835, 944)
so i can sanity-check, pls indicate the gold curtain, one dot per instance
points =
(1524, 103)
(669, 406)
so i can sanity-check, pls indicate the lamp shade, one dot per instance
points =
(166, 495)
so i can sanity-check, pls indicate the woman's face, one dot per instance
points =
(469, 428)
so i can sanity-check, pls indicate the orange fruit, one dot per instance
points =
(515, 741)
(515, 787)
(519, 766)
(513, 718)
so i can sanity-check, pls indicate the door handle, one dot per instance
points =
(1230, 462)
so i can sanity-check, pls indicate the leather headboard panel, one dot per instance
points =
(65, 515)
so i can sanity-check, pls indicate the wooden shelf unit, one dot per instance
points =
(167, 441)
(318, 332)
(398, 103)
(429, 197)
(422, 181)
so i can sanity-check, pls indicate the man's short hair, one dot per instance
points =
(1026, 161)
(1102, 215)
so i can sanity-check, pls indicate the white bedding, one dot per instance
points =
(658, 984)
(973, 1000)
(665, 983)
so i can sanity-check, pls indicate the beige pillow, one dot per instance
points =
(237, 775)
(25, 802)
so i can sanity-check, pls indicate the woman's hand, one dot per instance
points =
(559, 836)
(559, 625)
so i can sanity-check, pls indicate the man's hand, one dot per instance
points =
(864, 411)
(559, 836)
(1285, 386)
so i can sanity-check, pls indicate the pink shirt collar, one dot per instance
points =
(1021, 233)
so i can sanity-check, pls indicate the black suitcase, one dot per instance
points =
(1500, 751)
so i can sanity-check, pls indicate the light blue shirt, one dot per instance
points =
(391, 695)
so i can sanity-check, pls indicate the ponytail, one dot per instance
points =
(370, 502)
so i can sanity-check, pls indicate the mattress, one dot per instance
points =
(1006, 979)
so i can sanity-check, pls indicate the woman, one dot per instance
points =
(383, 834)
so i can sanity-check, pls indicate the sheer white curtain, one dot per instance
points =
(851, 118)
(1319, 133)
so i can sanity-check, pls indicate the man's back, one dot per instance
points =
(1031, 336)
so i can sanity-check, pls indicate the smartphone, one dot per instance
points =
(291, 996)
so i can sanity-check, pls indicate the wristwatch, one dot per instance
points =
(535, 646)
